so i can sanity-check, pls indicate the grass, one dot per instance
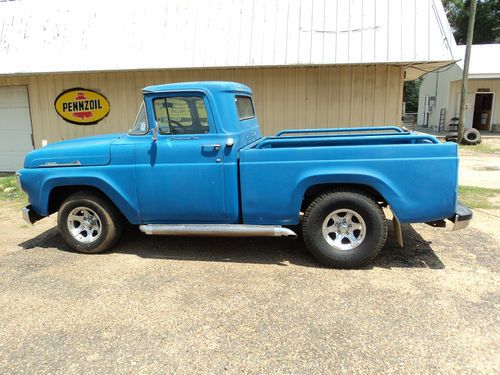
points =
(478, 197)
(9, 191)
(482, 147)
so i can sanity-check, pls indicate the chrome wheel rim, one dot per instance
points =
(84, 225)
(344, 229)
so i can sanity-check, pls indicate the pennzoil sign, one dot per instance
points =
(81, 106)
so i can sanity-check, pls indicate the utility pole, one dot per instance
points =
(465, 76)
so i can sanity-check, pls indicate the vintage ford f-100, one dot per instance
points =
(194, 163)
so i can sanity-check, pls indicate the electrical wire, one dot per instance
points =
(448, 67)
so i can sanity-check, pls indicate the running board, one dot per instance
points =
(218, 230)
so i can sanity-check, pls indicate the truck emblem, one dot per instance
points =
(81, 106)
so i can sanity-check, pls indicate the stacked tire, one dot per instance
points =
(471, 137)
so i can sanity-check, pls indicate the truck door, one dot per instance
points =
(179, 176)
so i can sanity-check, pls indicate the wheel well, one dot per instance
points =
(312, 192)
(60, 193)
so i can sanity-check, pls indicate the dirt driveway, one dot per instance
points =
(194, 305)
(480, 168)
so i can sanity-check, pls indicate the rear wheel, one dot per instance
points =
(89, 223)
(344, 229)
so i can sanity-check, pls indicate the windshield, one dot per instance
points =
(140, 123)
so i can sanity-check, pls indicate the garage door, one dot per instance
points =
(15, 127)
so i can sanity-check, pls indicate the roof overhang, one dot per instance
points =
(416, 70)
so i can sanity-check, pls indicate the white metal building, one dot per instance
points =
(311, 63)
(441, 90)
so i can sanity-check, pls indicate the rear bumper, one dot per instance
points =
(29, 215)
(462, 217)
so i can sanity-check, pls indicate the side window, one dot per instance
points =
(140, 124)
(202, 112)
(244, 106)
(161, 115)
(181, 115)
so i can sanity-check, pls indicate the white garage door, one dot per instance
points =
(15, 127)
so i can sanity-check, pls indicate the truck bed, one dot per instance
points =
(276, 171)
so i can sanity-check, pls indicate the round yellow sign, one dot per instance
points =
(81, 106)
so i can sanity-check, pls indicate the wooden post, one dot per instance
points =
(465, 76)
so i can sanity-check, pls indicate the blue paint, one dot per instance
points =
(182, 178)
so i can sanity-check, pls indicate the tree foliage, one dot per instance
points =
(487, 25)
(411, 89)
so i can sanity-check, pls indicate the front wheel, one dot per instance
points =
(344, 229)
(89, 223)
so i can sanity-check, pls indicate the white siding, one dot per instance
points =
(429, 87)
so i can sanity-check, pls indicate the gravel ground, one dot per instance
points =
(197, 305)
(479, 168)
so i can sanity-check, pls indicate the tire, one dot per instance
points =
(352, 243)
(471, 137)
(451, 138)
(89, 223)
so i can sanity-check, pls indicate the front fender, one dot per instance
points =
(118, 186)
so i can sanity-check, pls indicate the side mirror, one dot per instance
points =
(155, 135)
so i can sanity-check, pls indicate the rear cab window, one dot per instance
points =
(244, 106)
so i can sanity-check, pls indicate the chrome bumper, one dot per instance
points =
(29, 215)
(18, 180)
(462, 217)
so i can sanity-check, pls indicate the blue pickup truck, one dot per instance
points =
(195, 163)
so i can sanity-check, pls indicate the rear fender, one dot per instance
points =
(385, 189)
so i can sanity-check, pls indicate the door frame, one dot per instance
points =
(492, 106)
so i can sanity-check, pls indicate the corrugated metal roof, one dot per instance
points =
(94, 35)
(484, 60)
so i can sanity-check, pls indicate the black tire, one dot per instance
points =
(104, 216)
(471, 137)
(359, 205)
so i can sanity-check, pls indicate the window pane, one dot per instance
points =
(140, 125)
(161, 115)
(202, 112)
(179, 111)
(245, 107)
(181, 115)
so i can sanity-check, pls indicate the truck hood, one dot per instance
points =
(75, 152)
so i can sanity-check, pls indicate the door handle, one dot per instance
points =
(214, 147)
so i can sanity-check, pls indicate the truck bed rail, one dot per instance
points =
(365, 139)
(340, 130)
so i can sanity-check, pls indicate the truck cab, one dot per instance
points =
(186, 141)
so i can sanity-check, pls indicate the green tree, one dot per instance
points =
(411, 89)
(487, 26)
